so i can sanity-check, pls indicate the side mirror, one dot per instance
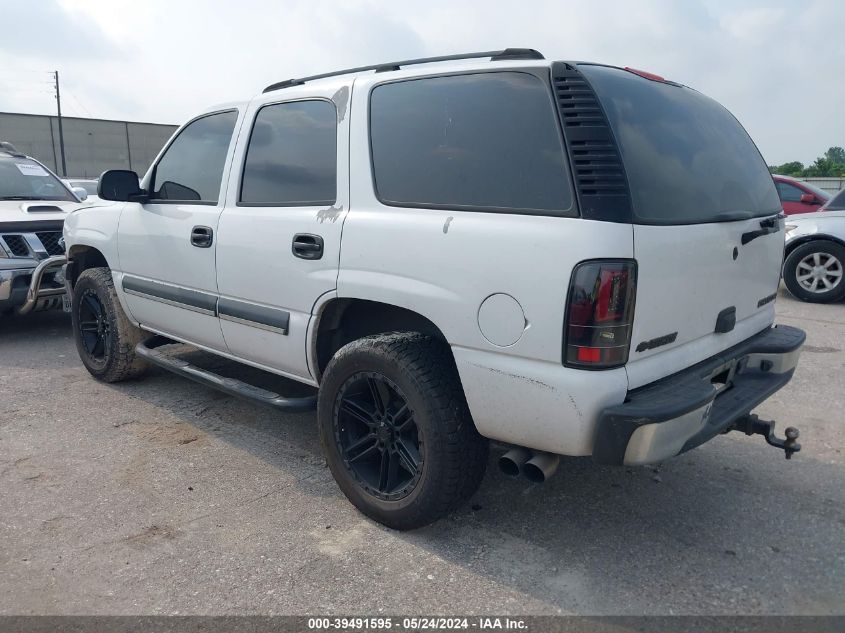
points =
(80, 193)
(808, 198)
(120, 185)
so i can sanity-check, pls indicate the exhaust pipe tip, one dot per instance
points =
(511, 462)
(540, 467)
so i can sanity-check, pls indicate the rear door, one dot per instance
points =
(279, 238)
(708, 236)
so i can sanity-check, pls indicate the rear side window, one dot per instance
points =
(191, 169)
(688, 160)
(291, 159)
(487, 141)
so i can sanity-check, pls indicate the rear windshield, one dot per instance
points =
(837, 203)
(24, 179)
(688, 160)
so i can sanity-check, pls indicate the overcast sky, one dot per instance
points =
(776, 64)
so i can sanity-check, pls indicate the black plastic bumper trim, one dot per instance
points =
(691, 389)
(273, 319)
(182, 297)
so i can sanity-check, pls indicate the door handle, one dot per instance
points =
(202, 236)
(307, 246)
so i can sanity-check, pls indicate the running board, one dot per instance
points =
(147, 350)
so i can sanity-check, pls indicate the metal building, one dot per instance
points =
(828, 183)
(91, 145)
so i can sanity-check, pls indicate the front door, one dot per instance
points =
(167, 245)
(790, 197)
(279, 244)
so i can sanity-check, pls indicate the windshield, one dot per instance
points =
(24, 179)
(687, 159)
(837, 203)
(90, 186)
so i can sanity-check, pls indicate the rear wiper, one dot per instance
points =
(767, 227)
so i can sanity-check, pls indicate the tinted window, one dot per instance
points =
(789, 193)
(488, 141)
(687, 158)
(192, 167)
(292, 155)
(24, 179)
(838, 202)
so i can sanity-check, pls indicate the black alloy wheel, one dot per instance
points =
(378, 438)
(94, 326)
(104, 336)
(396, 429)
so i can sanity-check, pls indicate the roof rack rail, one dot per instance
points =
(506, 54)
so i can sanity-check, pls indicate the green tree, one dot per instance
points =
(831, 164)
(824, 166)
(793, 168)
(835, 155)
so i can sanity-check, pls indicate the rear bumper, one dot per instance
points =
(682, 411)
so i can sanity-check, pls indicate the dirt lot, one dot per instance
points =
(160, 496)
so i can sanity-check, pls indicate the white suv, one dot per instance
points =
(453, 252)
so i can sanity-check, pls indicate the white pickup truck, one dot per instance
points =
(568, 258)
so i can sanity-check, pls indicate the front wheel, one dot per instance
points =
(105, 338)
(814, 271)
(396, 429)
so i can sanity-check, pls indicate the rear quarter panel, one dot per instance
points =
(443, 264)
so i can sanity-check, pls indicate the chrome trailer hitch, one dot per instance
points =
(752, 425)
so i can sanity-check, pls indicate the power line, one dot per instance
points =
(79, 103)
(16, 80)
(8, 71)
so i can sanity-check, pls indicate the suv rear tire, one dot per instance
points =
(104, 337)
(817, 260)
(396, 429)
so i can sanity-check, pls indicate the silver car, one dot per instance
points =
(814, 258)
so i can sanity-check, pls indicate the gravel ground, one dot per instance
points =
(161, 496)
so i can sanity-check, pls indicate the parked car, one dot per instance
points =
(452, 253)
(798, 196)
(33, 206)
(836, 202)
(814, 256)
(85, 188)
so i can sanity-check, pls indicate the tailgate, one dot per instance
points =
(708, 236)
(687, 277)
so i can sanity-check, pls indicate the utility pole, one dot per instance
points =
(61, 132)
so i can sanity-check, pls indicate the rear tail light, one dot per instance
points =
(600, 314)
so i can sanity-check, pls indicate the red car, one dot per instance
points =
(797, 196)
